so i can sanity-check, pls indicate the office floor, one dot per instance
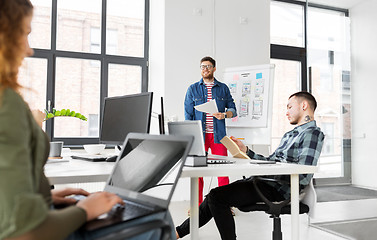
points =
(258, 225)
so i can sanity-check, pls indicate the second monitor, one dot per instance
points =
(125, 114)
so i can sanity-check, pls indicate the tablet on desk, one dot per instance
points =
(254, 161)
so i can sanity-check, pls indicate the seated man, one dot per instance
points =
(302, 145)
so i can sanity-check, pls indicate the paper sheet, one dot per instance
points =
(208, 107)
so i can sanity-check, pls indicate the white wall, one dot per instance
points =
(184, 38)
(179, 38)
(364, 85)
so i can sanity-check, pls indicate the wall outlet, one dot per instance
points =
(243, 20)
(197, 12)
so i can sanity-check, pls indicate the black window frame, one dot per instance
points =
(299, 54)
(52, 54)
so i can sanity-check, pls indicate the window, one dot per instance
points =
(329, 61)
(287, 24)
(83, 54)
(74, 21)
(40, 36)
(123, 80)
(318, 63)
(78, 89)
(33, 77)
(328, 145)
(95, 40)
(287, 80)
(112, 41)
(126, 18)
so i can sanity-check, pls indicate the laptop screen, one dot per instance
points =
(149, 165)
(190, 128)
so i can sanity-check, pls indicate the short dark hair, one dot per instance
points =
(307, 96)
(207, 58)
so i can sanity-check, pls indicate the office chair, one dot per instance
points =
(139, 229)
(308, 199)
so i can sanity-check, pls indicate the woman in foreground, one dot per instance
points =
(26, 200)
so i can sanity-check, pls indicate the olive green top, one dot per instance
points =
(25, 197)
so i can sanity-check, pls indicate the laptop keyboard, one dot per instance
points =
(219, 161)
(129, 210)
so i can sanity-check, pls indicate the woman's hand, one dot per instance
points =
(98, 203)
(59, 196)
(39, 116)
(242, 146)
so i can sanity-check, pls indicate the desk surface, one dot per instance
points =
(244, 167)
(80, 171)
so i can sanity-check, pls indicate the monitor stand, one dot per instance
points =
(196, 161)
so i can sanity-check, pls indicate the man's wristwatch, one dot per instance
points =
(224, 115)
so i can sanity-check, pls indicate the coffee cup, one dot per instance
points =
(56, 149)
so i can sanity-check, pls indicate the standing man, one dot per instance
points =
(213, 125)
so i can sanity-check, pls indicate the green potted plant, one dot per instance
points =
(63, 113)
(56, 147)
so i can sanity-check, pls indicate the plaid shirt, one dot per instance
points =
(302, 145)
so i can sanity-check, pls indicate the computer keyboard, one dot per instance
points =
(92, 158)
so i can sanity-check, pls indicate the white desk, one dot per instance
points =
(79, 171)
(240, 168)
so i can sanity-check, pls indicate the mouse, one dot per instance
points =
(111, 158)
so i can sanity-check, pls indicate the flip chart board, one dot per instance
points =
(252, 90)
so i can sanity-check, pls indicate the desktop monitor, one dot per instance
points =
(125, 114)
(161, 118)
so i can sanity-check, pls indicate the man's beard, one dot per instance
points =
(293, 122)
(209, 76)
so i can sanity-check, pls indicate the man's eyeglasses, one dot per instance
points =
(206, 67)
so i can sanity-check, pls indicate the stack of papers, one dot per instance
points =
(208, 107)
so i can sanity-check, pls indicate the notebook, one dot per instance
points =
(145, 175)
(233, 148)
(194, 128)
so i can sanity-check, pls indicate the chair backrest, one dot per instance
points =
(310, 198)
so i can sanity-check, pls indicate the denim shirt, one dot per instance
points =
(197, 94)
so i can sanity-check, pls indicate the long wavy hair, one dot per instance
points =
(12, 15)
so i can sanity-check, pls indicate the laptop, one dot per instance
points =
(194, 128)
(145, 175)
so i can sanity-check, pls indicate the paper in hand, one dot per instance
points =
(208, 107)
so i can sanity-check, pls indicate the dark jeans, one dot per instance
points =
(218, 202)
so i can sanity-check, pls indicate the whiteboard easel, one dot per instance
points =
(252, 91)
